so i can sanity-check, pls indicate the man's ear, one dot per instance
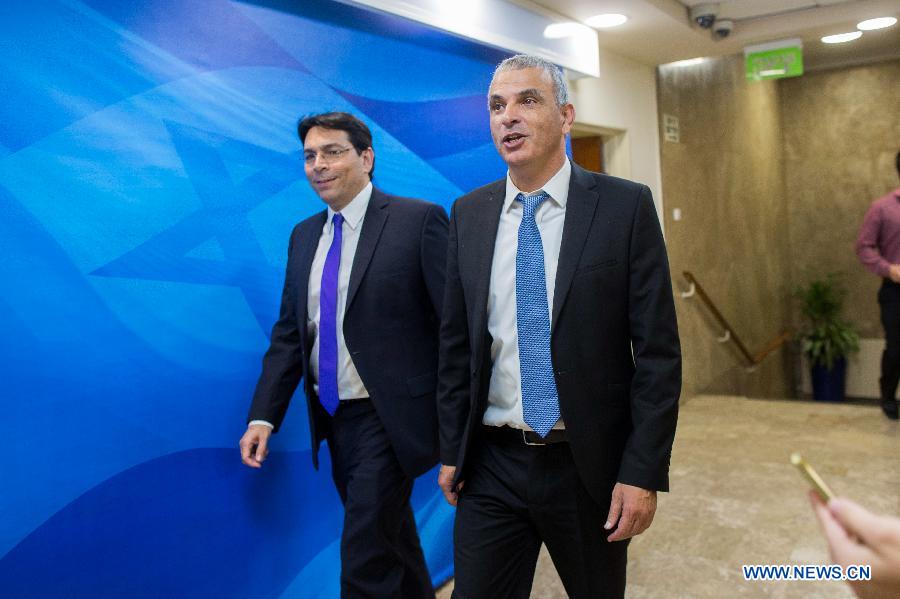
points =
(568, 116)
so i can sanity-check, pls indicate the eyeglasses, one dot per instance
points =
(329, 156)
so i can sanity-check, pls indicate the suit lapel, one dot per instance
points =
(309, 241)
(373, 223)
(481, 243)
(580, 208)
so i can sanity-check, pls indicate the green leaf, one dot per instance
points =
(825, 337)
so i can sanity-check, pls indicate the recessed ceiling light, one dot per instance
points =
(879, 23)
(687, 63)
(840, 38)
(560, 30)
(606, 20)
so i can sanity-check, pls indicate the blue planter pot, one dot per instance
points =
(830, 385)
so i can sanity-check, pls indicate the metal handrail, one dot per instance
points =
(730, 335)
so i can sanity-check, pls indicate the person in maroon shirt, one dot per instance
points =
(878, 248)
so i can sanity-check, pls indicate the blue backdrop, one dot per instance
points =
(149, 179)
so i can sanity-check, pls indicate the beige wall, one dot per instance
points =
(622, 103)
(841, 134)
(773, 180)
(725, 176)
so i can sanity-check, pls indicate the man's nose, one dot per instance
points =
(510, 116)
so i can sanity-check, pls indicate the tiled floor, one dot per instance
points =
(736, 499)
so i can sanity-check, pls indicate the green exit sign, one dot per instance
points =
(774, 60)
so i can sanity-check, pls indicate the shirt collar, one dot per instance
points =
(354, 212)
(557, 187)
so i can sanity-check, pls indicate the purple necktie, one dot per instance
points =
(328, 292)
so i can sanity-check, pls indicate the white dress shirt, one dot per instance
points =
(350, 386)
(505, 392)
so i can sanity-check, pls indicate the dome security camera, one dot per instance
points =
(705, 14)
(722, 28)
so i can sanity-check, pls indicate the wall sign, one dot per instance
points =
(671, 131)
(774, 60)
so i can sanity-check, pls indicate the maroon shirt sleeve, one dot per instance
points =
(867, 242)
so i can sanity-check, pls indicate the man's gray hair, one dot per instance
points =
(528, 61)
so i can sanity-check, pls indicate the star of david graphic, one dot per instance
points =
(223, 219)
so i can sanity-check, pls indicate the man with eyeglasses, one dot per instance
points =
(359, 324)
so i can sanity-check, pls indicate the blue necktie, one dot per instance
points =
(328, 292)
(540, 400)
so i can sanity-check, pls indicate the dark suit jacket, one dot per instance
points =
(613, 292)
(390, 326)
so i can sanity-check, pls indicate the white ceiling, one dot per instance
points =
(660, 31)
(742, 9)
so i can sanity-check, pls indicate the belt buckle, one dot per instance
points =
(525, 439)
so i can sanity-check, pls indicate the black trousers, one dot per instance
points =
(889, 300)
(380, 552)
(515, 497)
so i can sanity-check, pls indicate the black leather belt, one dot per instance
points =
(506, 434)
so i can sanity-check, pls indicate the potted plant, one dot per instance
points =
(826, 338)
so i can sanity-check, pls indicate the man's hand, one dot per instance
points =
(254, 445)
(445, 482)
(856, 536)
(630, 512)
(894, 273)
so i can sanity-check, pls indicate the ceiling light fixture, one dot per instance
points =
(560, 30)
(840, 38)
(606, 20)
(879, 23)
(687, 63)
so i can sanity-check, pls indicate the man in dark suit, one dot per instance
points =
(359, 324)
(560, 365)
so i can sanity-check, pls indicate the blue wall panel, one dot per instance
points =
(149, 178)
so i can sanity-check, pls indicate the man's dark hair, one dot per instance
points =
(357, 131)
